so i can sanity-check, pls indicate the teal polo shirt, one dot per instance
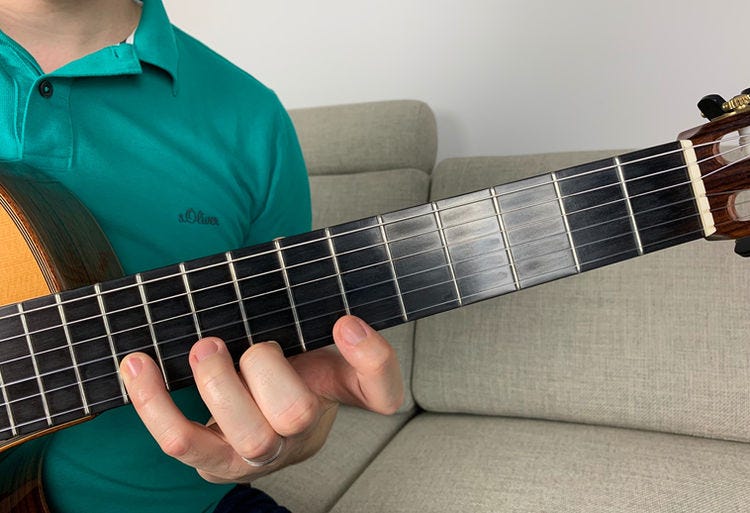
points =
(178, 154)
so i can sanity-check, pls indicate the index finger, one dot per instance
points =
(179, 437)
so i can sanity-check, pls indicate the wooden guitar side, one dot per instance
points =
(49, 242)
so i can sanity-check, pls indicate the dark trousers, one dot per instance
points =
(246, 499)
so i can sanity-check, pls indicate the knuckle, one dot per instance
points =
(215, 384)
(381, 361)
(391, 407)
(299, 416)
(216, 391)
(258, 353)
(141, 396)
(388, 405)
(254, 446)
(174, 442)
(211, 478)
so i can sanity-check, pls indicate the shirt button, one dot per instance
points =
(45, 88)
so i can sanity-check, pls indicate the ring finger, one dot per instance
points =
(284, 399)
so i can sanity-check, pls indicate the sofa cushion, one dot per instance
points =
(347, 197)
(659, 342)
(315, 485)
(373, 136)
(441, 462)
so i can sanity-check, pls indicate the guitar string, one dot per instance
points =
(453, 245)
(536, 221)
(500, 250)
(214, 306)
(321, 299)
(189, 378)
(608, 257)
(704, 177)
(494, 195)
(429, 214)
(499, 196)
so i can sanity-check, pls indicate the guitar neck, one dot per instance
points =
(60, 352)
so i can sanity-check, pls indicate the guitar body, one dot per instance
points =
(387, 269)
(22, 276)
(49, 242)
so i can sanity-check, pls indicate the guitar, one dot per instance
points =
(70, 316)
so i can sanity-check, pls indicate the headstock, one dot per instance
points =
(722, 148)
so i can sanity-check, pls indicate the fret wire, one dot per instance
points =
(337, 271)
(432, 285)
(510, 247)
(110, 341)
(269, 313)
(272, 312)
(597, 170)
(388, 253)
(667, 239)
(394, 317)
(6, 403)
(25, 325)
(565, 221)
(506, 240)
(446, 251)
(381, 223)
(73, 359)
(238, 293)
(398, 316)
(189, 295)
(518, 190)
(530, 277)
(629, 206)
(290, 294)
(151, 330)
(324, 315)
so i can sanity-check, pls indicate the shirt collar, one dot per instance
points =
(154, 39)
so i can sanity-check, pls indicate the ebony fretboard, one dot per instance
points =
(60, 353)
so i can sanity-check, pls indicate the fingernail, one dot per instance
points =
(204, 349)
(133, 366)
(353, 331)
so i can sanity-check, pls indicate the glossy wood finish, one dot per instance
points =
(48, 243)
(21, 492)
(723, 179)
(22, 277)
(59, 353)
(68, 247)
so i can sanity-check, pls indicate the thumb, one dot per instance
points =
(374, 374)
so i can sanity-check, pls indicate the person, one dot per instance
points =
(155, 132)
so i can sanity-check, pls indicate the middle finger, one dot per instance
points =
(229, 401)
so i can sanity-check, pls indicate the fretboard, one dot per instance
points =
(60, 352)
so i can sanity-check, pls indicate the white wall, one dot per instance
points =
(503, 76)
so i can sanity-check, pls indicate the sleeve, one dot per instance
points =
(287, 209)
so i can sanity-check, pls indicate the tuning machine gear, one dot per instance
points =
(714, 106)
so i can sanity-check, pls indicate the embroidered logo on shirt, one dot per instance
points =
(192, 216)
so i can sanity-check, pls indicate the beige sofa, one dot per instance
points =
(624, 389)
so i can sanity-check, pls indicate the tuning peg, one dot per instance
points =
(711, 106)
(742, 247)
